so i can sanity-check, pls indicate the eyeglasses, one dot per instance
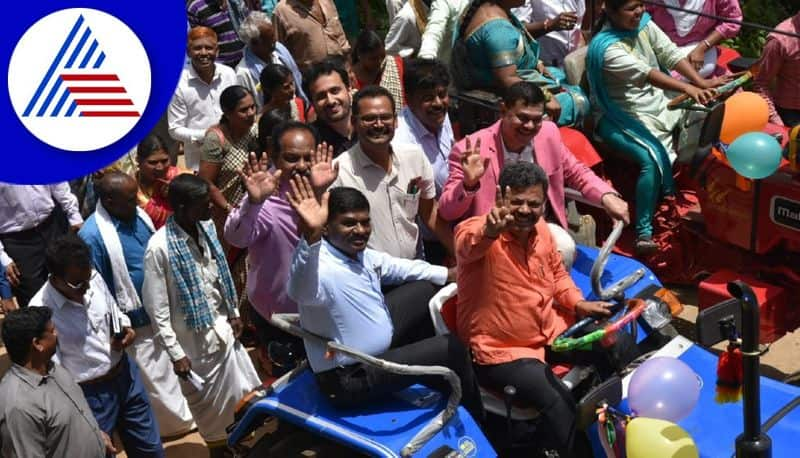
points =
(385, 118)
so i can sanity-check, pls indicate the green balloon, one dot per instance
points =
(754, 155)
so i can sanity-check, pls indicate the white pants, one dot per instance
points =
(227, 376)
(169, 406)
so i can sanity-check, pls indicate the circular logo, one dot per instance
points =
(79, 79)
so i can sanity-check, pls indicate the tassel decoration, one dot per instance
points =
(729, 375)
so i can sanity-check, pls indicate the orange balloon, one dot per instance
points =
(744, 112)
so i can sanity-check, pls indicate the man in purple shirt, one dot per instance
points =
(266, 224)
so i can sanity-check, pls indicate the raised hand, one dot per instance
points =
(473, 165)
(500, 217)
(258, 181)
(313, 213)
(323, 171)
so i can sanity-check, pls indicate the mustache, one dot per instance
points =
(379, 130)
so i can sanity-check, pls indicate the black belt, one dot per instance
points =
(138, 317)
(110, 375)
(32, 230)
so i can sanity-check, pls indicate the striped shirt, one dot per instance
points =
(209, 14)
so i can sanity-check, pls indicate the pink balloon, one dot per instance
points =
(664, 388)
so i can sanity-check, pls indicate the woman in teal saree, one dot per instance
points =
(493, 50)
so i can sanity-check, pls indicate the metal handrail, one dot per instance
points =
(600, 264)
(286, 322)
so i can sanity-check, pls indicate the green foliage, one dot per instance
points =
(770, 13)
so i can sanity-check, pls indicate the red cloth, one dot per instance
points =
(580, 146)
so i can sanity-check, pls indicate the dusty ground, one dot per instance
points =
(780, 362)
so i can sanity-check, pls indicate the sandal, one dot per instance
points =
(645, 246)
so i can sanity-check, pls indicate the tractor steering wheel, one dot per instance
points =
(566, 341)
(685, 102)
(616, 292)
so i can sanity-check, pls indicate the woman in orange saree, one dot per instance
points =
(154, 175)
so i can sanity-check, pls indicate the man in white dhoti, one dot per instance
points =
(188, 293)
(117, 233)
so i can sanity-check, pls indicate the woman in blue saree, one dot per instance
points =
(493, 50)
(627, 65)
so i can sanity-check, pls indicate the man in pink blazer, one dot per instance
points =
(521, 134)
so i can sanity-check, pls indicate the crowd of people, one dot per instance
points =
(307, 164)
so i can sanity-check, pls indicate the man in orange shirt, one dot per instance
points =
(515, 298)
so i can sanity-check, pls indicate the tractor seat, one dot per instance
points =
(443, 314)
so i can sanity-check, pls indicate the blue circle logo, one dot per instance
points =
(85, 84)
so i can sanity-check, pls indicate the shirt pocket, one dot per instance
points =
(407, 204)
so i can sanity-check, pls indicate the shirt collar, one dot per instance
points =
(417, 128)
(193, 73)
(55, 297)
(341, 256)
(533, 239)
(361, 160)
(30, 377)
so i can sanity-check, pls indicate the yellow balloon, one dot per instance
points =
(652, 438)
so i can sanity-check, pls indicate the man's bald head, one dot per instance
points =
(117, 192)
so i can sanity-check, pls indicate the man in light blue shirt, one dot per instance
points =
(336, 282)
(425, 122)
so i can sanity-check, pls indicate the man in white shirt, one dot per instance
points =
(195, 105)
(336, 282)
(93, 333)
(544, 19)
(189, 295)
(437, 40)
(31, 216)
(397, 180)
